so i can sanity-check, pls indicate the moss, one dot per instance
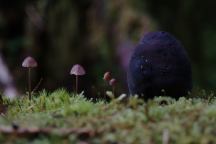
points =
(186, 120)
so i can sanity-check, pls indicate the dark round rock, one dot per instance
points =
(159, 66)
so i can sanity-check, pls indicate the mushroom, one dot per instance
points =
(112, 83)
(107, 76)
(29, 63)
(77, 70)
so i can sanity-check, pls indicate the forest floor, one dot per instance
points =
(61, 117)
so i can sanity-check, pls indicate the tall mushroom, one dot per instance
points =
(29, 63)
(77, 70)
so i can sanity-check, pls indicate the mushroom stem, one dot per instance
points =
(76, 83)
(29, 83)
(113, 90)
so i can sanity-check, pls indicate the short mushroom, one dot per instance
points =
(29, 63)
(77, 70)
(107, 76)
(112, 83)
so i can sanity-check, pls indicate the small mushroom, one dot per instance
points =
(77, 70)
(107, 76)
(112, 83)
(29, 63)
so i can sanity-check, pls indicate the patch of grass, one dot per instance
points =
(62, 117)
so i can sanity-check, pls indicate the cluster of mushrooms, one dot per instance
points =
(29, 63)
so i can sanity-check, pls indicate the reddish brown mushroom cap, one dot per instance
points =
(107, 76)
(29, 62)
(77, 70)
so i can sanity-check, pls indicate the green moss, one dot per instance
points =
(187, 120)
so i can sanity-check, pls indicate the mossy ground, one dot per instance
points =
(70, 118)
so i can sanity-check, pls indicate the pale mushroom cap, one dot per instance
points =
(112, 82)
(77, 70)
(29, 62)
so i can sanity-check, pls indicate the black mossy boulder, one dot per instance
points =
(159, 66)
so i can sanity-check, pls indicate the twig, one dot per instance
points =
(31, 132)
(37, 86)
(166, 136)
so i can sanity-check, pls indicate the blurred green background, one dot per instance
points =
(100, 35)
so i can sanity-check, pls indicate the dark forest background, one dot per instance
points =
(100, 35)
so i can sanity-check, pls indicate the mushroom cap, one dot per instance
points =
(77, 70)
(112, 82)
(29, 62)
(107, 76)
